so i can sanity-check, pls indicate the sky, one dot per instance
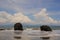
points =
(30, 11)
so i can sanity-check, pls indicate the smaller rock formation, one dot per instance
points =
(45, 28)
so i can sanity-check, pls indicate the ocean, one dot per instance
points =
(29, 35)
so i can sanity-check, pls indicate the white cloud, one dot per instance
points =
(2, 20)
(17, 17)
(42, 17)
(4, 17)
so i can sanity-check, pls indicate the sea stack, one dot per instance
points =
(18, 26)
(45, 28)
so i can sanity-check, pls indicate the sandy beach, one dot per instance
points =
(28, 35)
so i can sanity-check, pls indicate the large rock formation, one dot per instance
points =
(18, 26)
(45, 28)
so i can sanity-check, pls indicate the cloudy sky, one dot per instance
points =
(30, 11)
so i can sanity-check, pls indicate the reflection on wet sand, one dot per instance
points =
(45, 38)
(27, 35)
(20, 35)
(17, 37)
(17, 34)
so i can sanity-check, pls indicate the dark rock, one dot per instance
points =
(18, 26)
(2, 29)
(45, 28)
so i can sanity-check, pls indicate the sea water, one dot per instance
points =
(29, 35)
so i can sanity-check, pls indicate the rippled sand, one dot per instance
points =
(29, 35)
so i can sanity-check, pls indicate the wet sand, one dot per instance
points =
(29, 35)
